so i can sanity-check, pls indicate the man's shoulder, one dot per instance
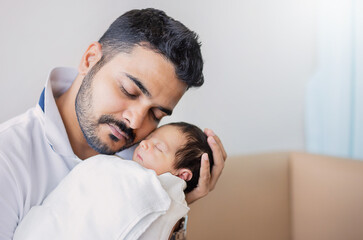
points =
(21, 127)
(21, 120)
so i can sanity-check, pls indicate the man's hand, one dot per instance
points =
(207, 181)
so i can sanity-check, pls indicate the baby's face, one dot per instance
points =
(158, 150)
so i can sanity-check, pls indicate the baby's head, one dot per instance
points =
(176, 148)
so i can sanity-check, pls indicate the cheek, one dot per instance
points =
(107, 99)
(150, 161)
(158, 167)
(146, 128)
(162, 165)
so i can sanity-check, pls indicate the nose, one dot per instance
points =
(135, 116)
(145, 144)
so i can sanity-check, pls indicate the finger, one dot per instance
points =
(218, 162)
(217, 152)
(219, 142)
(204, 168)
(204, 176)
(209, 132)
(203, 182)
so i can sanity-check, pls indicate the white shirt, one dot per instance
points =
(107, 198)
(35, 154)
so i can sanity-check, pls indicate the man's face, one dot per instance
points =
(158, 150)
(126, 98)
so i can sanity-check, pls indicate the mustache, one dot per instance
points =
(107, 119)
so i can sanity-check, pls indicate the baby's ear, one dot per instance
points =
(185, 174)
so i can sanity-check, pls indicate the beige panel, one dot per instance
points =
(327, 198)
(251, 201)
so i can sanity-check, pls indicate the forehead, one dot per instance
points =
(170, 134)
(167, 131)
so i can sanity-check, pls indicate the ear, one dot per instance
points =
(184, 174)
(92, 55)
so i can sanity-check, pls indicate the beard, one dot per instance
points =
(89, 124)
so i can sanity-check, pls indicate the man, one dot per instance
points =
(134, 76)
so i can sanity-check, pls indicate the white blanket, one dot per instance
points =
(107, 198)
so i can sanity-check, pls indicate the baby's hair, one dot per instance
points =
(190, 154)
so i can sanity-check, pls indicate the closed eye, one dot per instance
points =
(153, 115)
(132, 96)
(159, 148)
(157, 114)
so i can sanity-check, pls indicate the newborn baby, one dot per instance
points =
(176, 148)
(105, 197)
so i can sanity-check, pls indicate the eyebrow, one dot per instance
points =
(139, 85)
(143, 89)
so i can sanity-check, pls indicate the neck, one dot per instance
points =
(67, 110)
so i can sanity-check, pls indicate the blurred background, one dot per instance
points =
(280, 75)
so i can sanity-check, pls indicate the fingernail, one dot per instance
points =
(205, 157)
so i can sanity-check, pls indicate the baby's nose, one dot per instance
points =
(144, 144)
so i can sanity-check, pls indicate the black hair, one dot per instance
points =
(190, 154)
(155, 30)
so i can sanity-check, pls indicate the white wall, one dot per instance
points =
(258, 55)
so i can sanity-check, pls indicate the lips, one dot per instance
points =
(116, 131)
(139, 157)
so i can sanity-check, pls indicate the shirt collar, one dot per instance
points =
(59, 80)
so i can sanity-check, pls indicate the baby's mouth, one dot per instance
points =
(139, 157)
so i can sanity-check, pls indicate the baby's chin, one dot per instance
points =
(135, 159)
